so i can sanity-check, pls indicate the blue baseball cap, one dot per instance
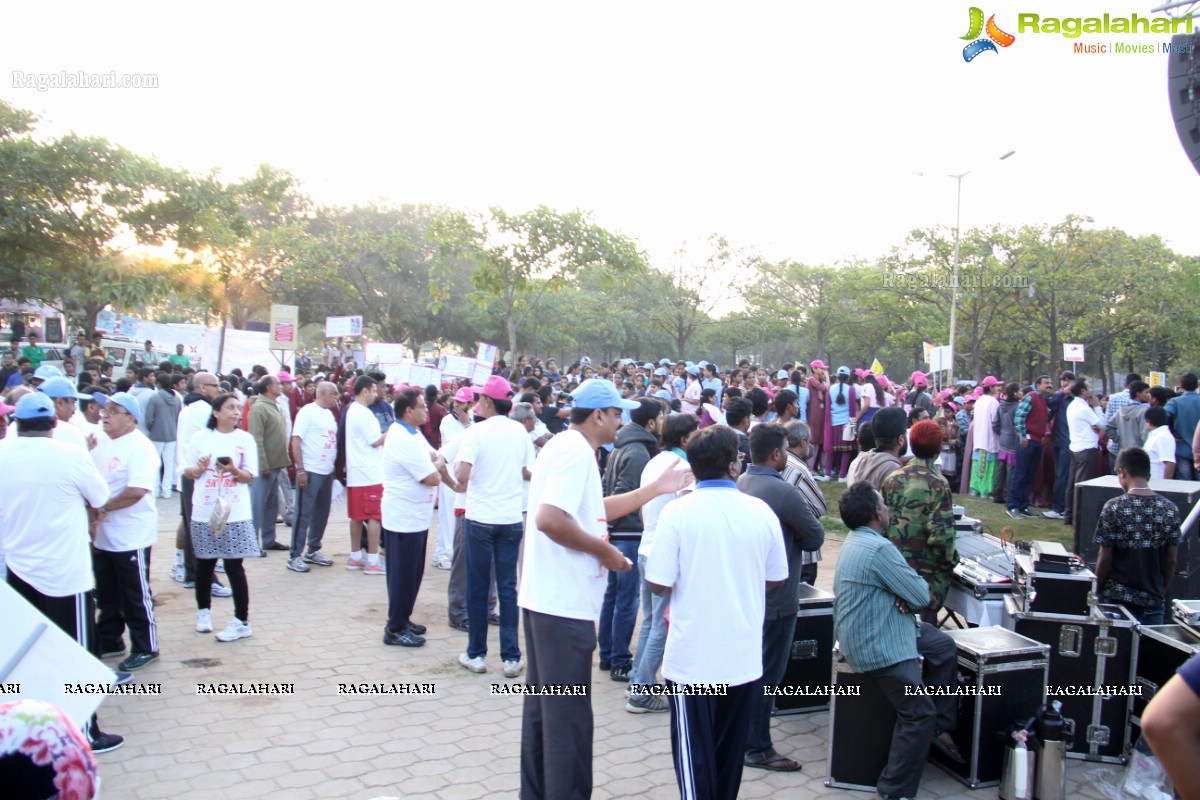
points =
(59, 387)
(599, 393)
(97, 396)
(664, 362)
(692, 369)
(128, 402)
(47, 371)
(647, 365)
(660, 371)
(34, 406)
(663, 394)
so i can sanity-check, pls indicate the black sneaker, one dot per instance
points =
(1012, 512)
(137, 661)
(124, 678)
(459, 626)
(605, 666)
(105, 742)
(620, 673)
(406, 639)
(419, 630)
(277, 546)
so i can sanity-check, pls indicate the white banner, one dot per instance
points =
(457, 366)
(487, 354)
(243, 349)
(343, 326)
(166, 335)
(940, 358)
(385, 352)
(482, 372)
(1073, 352)
(424, 374)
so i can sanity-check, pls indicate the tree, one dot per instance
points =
(519, 258)
(684, 297)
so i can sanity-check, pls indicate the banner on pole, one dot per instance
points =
(1073, 352)
(384, 352)
(457, 366)
(940, 358)
(483, 371)
(343, 326)
(928, 351)
(487, 353)
(1158, 379)
(285, 327)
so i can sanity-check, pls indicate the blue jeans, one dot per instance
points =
(1028, 458)
(652, 641)
(1185, 469)
(485, 542)
(1147, 616)
(619, 612)
(1062, 471)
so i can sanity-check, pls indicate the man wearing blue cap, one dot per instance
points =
(44, 528)
(126, 527)
(564, 576)
(62, 393)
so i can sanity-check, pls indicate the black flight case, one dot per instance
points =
(809, 657)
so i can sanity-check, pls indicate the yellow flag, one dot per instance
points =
(928, 351)
(876, 367)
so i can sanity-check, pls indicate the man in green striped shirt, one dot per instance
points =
(877, 595)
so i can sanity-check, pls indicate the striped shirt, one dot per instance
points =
(1116, 401)
(871, 575)
(796, 473)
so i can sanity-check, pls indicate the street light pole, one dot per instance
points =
(954, 279)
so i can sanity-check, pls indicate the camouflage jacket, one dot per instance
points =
(922, 523)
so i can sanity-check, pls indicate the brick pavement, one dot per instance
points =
(324, 628)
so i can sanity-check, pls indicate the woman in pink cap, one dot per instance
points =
(987, 438)
(818, 400)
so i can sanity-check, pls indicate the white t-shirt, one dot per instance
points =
(498, 450)
(238, 445)
(129, 460)
(449, 454)
(1080, 419)
(364, 463)
(192, 419)
(407, 504)
(43, 520)
(450, 427)
(554, 579)
(716, 548)
(88, 428)
(285, 408)
(66, 432)
(653, 471)
(1160, 446)
(317, 429)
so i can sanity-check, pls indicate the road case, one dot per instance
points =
(1002, 680)
(1065, 594)
(1091, 673)
(1161, 651)
(810, 654)
(860, 730)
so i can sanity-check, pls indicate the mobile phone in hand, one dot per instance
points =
(224, 460)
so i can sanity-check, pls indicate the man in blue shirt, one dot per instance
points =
(1183, 411)
(877, 595)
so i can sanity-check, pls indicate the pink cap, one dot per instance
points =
(6, 409)
(397, 387)
(285, 377)
(496, 387)
(818, 364)
(990, 380)
(884, 382)
(464, 395)
(973, 396)
(918, 378)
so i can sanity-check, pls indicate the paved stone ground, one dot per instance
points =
(324, 628)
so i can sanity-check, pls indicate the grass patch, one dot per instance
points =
(993, 516)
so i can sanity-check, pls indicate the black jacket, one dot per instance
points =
(634, 448)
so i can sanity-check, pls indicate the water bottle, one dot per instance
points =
(1051, 768)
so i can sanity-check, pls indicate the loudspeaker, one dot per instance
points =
(1183, 85)
(1090, 497)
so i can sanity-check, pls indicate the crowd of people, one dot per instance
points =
(594, 493)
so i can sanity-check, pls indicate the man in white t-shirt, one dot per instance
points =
(411, 474)
(716, 551)
(364, 477)
(494, 461)
(564, 575)
(62, 392)
(314, 451)
(1084, 425)
(1160, 444)
(126, 527)
(48, 488)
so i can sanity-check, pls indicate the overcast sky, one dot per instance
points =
(790, 127)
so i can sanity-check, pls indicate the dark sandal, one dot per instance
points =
(947, 748)
(775, 763)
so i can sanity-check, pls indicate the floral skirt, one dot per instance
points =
(238, 540)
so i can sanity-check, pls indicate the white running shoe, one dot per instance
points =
(236, 629)
(476, 664)
(513, 668)
(204, 620)
(177, 573)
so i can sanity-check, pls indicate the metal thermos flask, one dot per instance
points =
(1052, 766)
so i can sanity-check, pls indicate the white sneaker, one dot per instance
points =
(476, 664)
(442, 563)
(204, 620)
(1053, 515)
(236, 629)
(177, 573)
(221, 566)
(513, 668)
(220, 590)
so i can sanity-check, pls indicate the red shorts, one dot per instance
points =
(365, 502)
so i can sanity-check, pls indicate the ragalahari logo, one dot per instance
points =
(995, 36)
